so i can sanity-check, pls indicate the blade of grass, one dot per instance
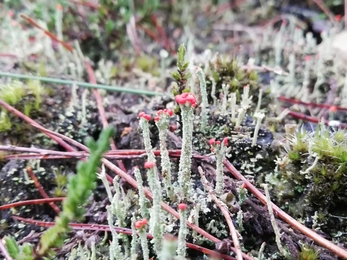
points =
(83, 84)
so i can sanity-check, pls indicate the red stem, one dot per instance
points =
(316, 120)
(51, 35)
(31, 202)
(309, 104)
(162, 33)
(55, 136)
(40, 189)
(84, 3)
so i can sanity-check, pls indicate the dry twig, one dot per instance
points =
(225, 213)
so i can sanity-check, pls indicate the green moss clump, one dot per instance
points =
(311, 175)
(24, 97)
(229, 71)
(308, 253)
(147, 64)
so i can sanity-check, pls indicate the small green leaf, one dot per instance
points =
(12, 246)
(176, 75)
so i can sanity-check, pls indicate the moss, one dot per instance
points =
(25, 97)
(308, 253)
(315, 173)
(147, 64)
(229, 71)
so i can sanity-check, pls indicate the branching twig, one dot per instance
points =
(225, 212)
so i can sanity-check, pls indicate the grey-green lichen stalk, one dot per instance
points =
(154, 184)
(187, 104)
(182, 233)
(142, 197)
(220, 149)
(162, 122)
(155, 213)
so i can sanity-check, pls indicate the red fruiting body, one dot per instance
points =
(173, 127)
(307, 57)
(225, 141)
(157, 118)
(149, 165)
(159, 112)
(212, 141)
(338, 17)
(10, 13)
(182, 206)
(333, 109)
(186, 97)
(217, 142)
(141, 223)
(141, 114)
(169, 112)
(144, 115)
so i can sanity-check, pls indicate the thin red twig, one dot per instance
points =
(19, 114)
(51, 35)
(162, 33)
(291, 221)
(154, 36)
(310, 104)
(312, 119)
(55, 136)
(225, 212)
(8, 55)
(31, 202)
(40, 189)
(84, 3)
(98, 227)
(44, 154)
(325, 9)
